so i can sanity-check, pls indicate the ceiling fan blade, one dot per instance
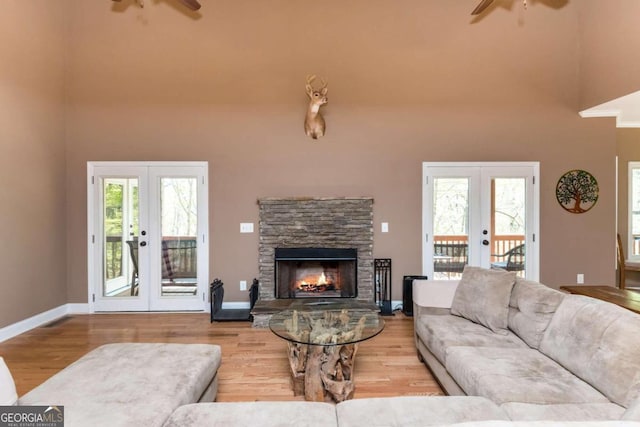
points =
(191, 4)
(481, 7)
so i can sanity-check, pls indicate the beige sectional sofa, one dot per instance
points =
(554, 357)
(463, 411)
(531, 357)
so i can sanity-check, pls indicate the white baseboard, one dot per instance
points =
(32, 322)
(40, 319)
(75, 308)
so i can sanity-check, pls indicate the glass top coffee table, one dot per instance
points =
(322, 343)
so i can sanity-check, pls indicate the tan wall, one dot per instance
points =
(409, 81)
(32, 160)
(609, 67)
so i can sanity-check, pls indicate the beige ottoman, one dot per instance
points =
(131, 384)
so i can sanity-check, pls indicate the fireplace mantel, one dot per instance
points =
(306, 198)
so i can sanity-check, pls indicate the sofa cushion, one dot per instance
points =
(598, 342)
(531, 308)
(563, 412)
(544, 424)
(130, 384)
(8, 394)
(416, 411)
(263, 414)
(483, 297)
(440, 332)
(517, 375)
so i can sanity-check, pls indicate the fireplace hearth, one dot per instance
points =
(315, 273)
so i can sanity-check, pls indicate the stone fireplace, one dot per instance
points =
(311, 223)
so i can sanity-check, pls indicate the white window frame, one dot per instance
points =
(630, 238)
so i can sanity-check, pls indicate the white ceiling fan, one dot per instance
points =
(485, 4)
(191, 4)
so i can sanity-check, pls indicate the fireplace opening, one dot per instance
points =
(315, 273)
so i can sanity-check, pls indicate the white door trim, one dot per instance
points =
(203, 228)
(533, 232)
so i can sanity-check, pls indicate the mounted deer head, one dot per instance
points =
(314, 125)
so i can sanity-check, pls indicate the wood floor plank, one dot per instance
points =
(254, 361)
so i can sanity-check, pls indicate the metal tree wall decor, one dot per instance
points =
(577, 191)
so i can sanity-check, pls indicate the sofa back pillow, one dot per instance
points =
(531, 308)
(483, 297)
(8, 394)
(598, 342)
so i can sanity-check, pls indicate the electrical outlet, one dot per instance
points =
(580, 279)
(246, 227)
(385, 227)
(243, 285)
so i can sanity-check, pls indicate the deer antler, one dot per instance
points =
(191, 4)
(309, 85)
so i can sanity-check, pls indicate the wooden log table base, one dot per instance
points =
(325, 369)
(318, 372)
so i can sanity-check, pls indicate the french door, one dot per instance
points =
(482, 214)
(148, 236)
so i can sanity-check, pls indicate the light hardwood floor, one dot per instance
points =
(254, 362)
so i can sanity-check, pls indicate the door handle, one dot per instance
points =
(143, 243)
(484, 242)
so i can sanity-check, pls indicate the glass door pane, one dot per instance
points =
(508, 224)
(179, 228)
(118, 275)
(120, 220)
(178, 206)
(450, 227)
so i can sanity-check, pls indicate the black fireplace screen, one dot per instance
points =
(315, 273)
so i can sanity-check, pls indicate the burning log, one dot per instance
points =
(316, 283)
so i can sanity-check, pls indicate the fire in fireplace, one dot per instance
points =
(315, 273)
